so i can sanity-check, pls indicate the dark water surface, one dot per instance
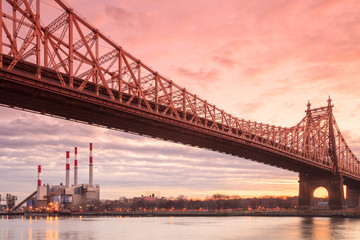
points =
(184, 228)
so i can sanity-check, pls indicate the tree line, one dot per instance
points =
(215, 203)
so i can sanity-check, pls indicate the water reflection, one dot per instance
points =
(338, 227)
(30, 233)
(210, 228)
(315, 228)
(307, 228)
(325, 228)
(52, 235)
(172, 220)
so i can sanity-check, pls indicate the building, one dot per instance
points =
(323, 205)
(9, 202)
(66, 197)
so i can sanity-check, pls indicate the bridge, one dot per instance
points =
(65, 67)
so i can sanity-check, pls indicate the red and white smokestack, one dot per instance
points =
(67, 169)
(39, 176)
(75, 168)
(41, 190)
(91, 176)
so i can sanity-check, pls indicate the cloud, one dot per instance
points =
(120, 162)
(201, 77)
(224, 61)
(127, 19)
(250, 107)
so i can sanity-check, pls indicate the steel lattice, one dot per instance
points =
(74, 49)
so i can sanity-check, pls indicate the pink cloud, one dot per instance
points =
(250, 107)
(131, 20)
(201, 76)
(224, 61)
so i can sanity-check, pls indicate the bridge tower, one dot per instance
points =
(310, 181)
(352, 196)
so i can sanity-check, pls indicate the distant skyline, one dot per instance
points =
(258, 60)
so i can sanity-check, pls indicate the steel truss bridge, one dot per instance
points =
(65, 67)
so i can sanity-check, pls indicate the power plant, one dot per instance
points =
(64, 197)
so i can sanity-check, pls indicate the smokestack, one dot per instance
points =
(67, 184)
(39, 176)
(75, 169)
(41, 190)
(91, 177)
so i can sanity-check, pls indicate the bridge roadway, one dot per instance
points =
(20, 88)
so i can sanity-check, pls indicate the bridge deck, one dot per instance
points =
(21, 89)
(63, 66)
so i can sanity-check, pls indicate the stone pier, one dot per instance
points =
(352, 196)
(332, 183)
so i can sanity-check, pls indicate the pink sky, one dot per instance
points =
(258, 60)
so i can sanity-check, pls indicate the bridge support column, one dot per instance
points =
(352, 196)
(309, 183)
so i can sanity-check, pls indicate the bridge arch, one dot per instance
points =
(319, 188)
(320, 192)
(320, 198)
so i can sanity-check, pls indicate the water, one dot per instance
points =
(209, 228)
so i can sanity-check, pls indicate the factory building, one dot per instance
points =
(66, 197)
(9, 202)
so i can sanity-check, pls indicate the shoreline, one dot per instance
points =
(281, 213)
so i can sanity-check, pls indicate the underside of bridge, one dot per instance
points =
(25, 92)
(21, 90)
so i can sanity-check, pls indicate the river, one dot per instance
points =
(184, 228)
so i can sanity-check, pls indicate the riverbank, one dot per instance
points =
(280, 213)
(348, 213)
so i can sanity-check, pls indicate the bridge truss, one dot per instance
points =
(81, 58)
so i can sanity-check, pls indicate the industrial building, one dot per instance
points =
(9, 202)
(65, 197)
